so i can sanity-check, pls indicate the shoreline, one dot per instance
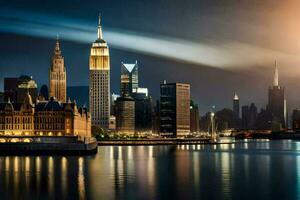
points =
(54, 145)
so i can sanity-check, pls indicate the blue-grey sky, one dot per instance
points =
(217, 46)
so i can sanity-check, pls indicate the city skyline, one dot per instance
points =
(205, 80)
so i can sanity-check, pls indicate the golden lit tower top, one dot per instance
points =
(99, 57)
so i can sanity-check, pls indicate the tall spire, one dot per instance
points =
(275, 81)
(236, 97)
(57, 50)
(99, 28)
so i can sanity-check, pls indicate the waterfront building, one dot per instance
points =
(125, 115)
(45, 118)
(236, 110)
(194, 117)
(26, 85)
(174, 109)
(296, 120)
(129, 78)
(277, 103)
(99, 81)
(44, 93)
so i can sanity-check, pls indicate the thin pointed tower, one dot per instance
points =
(276, 105)
(57, 75)
(275, 80)
(99, 81)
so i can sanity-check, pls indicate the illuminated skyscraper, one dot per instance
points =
(129, 78)
(99, 81)
(236, 110)
(276, 104)
(58, 76)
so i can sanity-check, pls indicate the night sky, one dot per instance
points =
(217, 46)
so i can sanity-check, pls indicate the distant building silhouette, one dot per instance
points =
(26, 84)
(194, 117)
(44, 93)
(249, 117)
(296, 120)
(10, 88)
(224, 119)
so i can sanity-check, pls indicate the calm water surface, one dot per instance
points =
(252, 170)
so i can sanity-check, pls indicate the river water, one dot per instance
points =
(246, 170)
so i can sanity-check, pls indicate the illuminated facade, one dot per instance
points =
(125, 115)
(58, 76)
(99, 82)
(174, 109)
(45, 118)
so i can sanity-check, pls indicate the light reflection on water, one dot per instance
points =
(253, 170)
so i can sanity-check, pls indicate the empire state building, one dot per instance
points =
(99, 81)
(277, 102)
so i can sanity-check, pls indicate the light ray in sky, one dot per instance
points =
(225, 55)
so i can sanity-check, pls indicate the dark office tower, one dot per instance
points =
(129, 78)
(224, 119)
(113, 99)
(174, 109)
(296, 120)
(236, 110)
(44, 93)
(252, 117)
(194, 118)
(156, 119)
(143, 111)
(125, 115)
(276, 105)
(26, 85)
(264, 119)
(1, 97)
(10, 89)
(245, 117)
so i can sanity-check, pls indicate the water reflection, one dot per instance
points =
(252, 170)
